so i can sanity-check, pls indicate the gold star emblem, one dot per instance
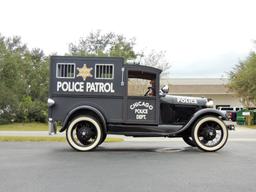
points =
(84, 72)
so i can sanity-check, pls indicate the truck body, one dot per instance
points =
(100, 91)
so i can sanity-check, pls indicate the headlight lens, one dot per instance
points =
(50, 102)
(210, 104)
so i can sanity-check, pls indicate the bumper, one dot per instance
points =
(52, 127)
(230, 125)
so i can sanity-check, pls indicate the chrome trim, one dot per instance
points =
(122, 82)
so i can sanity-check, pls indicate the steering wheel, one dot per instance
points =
(149, 89)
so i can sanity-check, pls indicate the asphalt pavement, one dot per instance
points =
(130, 166)
(241, 133)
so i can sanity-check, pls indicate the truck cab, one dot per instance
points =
(94, 96)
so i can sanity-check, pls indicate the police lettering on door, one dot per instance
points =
(141, 109)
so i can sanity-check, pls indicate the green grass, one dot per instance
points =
(31, 138)
(44, 139)
(24, 127)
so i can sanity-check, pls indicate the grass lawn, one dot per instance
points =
(24, 127)
(45, 139)
(35, 127)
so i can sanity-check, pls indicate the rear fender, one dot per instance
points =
(82, 108)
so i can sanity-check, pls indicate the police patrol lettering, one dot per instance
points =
(188, 100)
(97, 87)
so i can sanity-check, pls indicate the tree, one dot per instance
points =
(157, 59)
(23, 82)
(243, 80)
(116, 45)
(109, 44)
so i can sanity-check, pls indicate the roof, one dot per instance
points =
(143, 68)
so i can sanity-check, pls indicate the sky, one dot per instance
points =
(202, 38)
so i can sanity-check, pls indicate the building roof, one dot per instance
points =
(195, 81)
(199, 89)
(197, 86)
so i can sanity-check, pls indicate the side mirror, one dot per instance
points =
(165, 89)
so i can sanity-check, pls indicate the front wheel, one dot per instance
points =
(84, 133)
(210, 134)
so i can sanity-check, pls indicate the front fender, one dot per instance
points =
(201, 113)
(209, 111)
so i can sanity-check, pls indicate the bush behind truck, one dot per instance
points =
(90, 97)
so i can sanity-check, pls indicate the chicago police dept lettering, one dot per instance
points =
(141, 109)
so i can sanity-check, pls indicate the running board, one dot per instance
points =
(141, 134)
(143, 130)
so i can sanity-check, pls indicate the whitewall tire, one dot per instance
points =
(84, 133)
(210, 133)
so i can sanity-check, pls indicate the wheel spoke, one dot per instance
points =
(210, 134)
(83, 134)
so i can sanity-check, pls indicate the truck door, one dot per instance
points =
(141, 98)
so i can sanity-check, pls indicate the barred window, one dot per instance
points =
(104, 71)
(65, 70)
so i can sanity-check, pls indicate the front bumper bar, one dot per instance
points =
(230, 125)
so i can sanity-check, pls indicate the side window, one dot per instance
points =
(141, 84)
(65, 70)
(137, 87)
(104, 71)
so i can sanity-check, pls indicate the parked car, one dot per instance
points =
(230, 112)
(90, 97)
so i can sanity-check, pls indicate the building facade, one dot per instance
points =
(214, 88)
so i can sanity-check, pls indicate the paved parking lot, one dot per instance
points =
(129, 166)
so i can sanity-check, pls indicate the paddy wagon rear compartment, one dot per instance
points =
(97, 82)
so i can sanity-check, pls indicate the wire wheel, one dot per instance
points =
(84, 133)
(210, 133)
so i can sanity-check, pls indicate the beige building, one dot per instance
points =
(214, 88)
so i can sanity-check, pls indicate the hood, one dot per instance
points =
(184, 100)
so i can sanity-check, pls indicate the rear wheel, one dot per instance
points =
(210, 134)
(189, 141)
(84, 133)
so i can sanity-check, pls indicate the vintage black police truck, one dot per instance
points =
(94, 96)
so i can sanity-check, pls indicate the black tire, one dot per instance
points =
(84, 133)
(188, 140)
(104, 135)
(210, 133)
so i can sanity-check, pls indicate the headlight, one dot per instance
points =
(50, 102)
(209, 104)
